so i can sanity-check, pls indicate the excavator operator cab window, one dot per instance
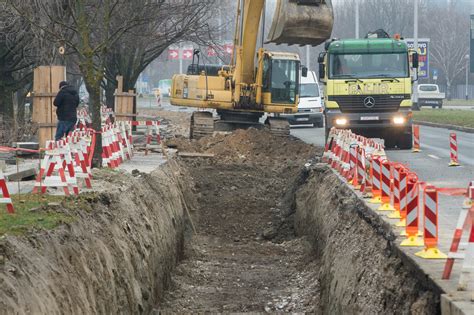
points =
(283, 80)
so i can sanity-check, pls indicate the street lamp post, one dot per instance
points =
(415, 47)
(467, 77)
(357, 15)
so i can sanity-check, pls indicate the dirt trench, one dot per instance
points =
(270, 230)
(244, 256)
(278, 232)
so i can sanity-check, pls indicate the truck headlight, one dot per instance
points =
(398, 120)
(341, 121)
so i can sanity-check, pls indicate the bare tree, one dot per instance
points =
(183, 20)
(16, 58)
(88, 29)
(449, 42)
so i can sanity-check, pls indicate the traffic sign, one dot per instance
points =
(187, 53)
(173, 53)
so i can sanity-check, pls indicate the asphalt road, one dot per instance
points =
(431, 164)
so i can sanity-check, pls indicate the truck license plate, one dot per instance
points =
(302, 119)
(369, 118)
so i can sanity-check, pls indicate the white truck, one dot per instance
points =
(310, 107)
(429, 95)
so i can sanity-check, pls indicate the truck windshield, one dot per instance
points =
(366, 66)
(284, 81)
(309, 90)
(428, 88)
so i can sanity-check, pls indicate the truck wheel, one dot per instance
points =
(405, 141)
(440, 106)
(318, 124)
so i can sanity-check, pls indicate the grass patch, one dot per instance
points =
(463, 118)
(458, 102)
(24, 219)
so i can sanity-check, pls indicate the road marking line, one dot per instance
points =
(434, 157)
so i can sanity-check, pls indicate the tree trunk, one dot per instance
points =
(94, 105)
(110, 88)
(6, 103)
(448, 89)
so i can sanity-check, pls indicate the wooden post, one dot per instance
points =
(123, 102)
(45, 87)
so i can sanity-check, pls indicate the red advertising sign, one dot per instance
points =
(211, 51)
(229, 48)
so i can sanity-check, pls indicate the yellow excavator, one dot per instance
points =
(257, 81)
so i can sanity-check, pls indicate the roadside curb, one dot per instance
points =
(446, 126)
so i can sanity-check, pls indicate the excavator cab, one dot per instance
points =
(281, 78)
(302, 22)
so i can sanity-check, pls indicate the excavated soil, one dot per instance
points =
(256, 226)
(362, 271)
(116, 256)
(244, 256)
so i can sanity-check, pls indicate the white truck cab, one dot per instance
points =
(310, 107)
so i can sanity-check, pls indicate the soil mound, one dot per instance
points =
(251, 145)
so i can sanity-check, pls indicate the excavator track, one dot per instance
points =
(278, 126)
(202, 125)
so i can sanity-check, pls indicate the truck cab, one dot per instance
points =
(368, 88)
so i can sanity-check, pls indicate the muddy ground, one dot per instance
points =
(257, 226)
(244, 256)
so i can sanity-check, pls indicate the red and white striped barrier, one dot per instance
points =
(352, 172)
(395, 192)
(5, 196)
(465, 219)
(469, 200)
(376, 176)
(416, 138)
(359, 170)
(52, 162)
(453, 146)
(402, 194)
(386, 181)
(430, 222)
(466, 279)
(411, 203)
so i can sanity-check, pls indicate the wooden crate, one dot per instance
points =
(123, 102)
(45, 87)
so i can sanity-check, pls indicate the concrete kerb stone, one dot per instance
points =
(445, 126)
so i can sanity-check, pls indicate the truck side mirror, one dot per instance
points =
(304, 72)
(322, 71)
(415, 60)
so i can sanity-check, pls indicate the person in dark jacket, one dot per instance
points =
(66, 102)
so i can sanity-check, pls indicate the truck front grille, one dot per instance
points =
(382, 103)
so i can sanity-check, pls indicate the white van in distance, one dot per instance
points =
(310, 109)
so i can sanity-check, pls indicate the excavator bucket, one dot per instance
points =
(302, 22)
